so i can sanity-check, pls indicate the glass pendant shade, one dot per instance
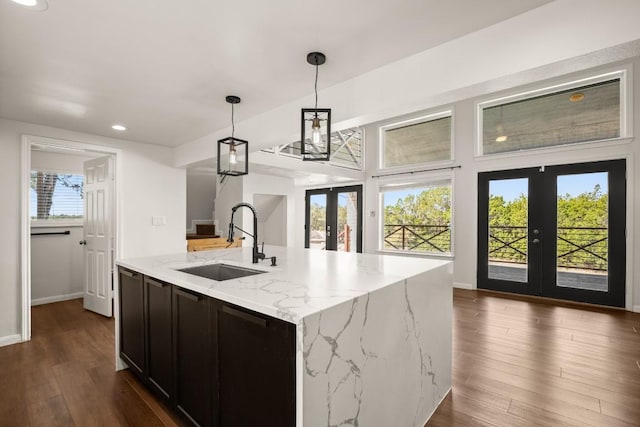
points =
(232, 157)
(316, 134)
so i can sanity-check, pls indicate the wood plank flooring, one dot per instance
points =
(517, 362)
(65, 376)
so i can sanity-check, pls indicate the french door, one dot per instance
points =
(557, 231)
(333, 219)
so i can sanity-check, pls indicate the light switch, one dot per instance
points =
(158, 220)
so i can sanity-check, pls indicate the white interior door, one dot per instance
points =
(98, 234)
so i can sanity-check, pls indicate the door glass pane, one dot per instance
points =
(318, 221)
(347, 222)
(583, 231)
(508, 233)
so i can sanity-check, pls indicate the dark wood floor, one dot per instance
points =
(524, 362)
(65, 375)
(517, 362)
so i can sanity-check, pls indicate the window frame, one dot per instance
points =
(415, 119)
(626, 112)
(426, 180)
(48, 223)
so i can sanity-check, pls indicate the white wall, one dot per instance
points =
(148, 185)
(57, 265)
(201, 193)
(53, 162)
(272, 218)
(270, 185)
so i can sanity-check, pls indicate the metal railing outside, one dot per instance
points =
(418, 238)
(577, 247)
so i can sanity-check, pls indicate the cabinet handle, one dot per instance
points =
(129, 273)
(156, 283)
(245, 316)
(189, 295)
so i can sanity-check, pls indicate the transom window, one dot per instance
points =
(416, 217)
(579, 114)
(419, 141)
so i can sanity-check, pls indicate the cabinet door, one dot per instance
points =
(159, 348)
(256, 368)
(192, 356)
(132, 320)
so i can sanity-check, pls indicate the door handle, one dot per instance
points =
(245, 316)
(156, 283)
(535, 241)
(189, 295)
(83, 242)
(128, 273)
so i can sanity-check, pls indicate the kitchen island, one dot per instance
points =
(371, 334)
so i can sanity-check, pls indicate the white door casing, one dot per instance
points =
(98, 234)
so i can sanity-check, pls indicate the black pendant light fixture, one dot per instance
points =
(233, 157)
(315, 142)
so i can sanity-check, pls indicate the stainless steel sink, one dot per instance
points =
(220, 272)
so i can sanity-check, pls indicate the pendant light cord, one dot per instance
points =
(316, 89)
(233, 126)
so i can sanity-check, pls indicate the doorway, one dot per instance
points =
(68, 164)
(557, 232)
(333, 219)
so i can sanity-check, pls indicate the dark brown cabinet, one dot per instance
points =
(159, 336)
(132, 314)
(216, 363)
(193, 357)
(256, 368)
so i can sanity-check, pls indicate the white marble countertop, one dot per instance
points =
(303, 283)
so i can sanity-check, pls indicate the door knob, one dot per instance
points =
(535, 241)
(83, 242)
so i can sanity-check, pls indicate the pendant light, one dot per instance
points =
(233, 157)
(315, 141)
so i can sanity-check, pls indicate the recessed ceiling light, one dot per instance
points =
(33, 4)
(120, 128)
(576, 97)
(501, 138)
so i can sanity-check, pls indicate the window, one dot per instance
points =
(580, 114)
(417, 218)
(416, 142)
(346, 148)
(56, 197)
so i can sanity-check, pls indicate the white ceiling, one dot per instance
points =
(163, 67)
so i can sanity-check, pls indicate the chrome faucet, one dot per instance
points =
(257, 255)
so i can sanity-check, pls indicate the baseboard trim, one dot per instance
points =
(467, 286)
(10, 339)
(636, 308)
(57, 298)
